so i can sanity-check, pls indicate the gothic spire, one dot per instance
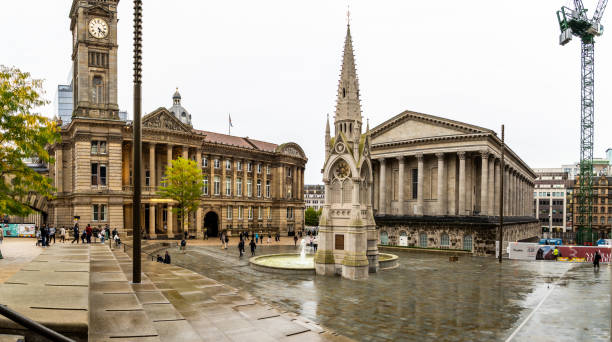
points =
(348, 107)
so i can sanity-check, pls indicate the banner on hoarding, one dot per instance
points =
(27, 230)
(10, 229)
(533, 251)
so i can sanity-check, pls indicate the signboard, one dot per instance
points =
(523, 250)
(339, 242)
(11, 230)
(27, 230)
(532, 251)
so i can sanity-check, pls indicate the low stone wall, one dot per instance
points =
(472, 233)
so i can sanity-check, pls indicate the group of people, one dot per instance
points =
(97, 233)
(165, 259)
(241, 244)
(45, 234)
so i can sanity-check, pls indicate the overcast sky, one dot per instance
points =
(274, 66)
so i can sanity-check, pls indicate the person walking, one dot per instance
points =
(253, 245)
(596, 260)
(88, 232)
(75, 231)
(114, 232)
(62, 233)
(186, 234)
(226, 241)
(556, 253)
(257, 237)
(295, 240)
(52, 234)
(269, 237)
(240, 247)
(43, 234)
(167, 258)
(38, 237)
(183, 244)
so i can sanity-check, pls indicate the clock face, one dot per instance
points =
(98, 28)
(342, 170)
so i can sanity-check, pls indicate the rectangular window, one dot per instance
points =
(268, 188)
(258, 168)
(205, 162)
(94, 174)
(147, 178)
(289, 213)
(103, 214)
(94, 147)
(103, 175)
(267, 169)
(228, 164)
(288, 172)
(95, 210)
(259, 188)
(239, 165)
(249, 188)
(217, 186)
(239, 187)
(415, 183)
(250, 213)
(217, 163)
(268, 213)
(205, 186)
(99, 212)
(240, 212)
(229, 212)
(249, 167)
(102, 147)
(259, 212)
(228, 187)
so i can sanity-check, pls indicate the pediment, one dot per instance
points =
(411, 125)
(162, 119)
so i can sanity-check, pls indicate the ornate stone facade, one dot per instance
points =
(250, 185)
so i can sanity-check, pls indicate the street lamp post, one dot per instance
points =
(501, 196)
(137, 142)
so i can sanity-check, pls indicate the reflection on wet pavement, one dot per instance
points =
(428, 298)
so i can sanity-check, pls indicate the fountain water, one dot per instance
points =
(303, 251)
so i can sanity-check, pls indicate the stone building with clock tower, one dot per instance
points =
(249, 185)
(347, 231)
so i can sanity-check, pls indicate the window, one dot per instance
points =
(97, 90)
(217, 185)
(147, 178)
(240, 212)
(249, 188)
(467, 242)
(602, 220)
(238, 186)
(258, 168)
(99, 212)
(94, 147)
(267, 169)
(268, 188)
(288, 172)
(217, 163)
(415, 183)
(444, 241)
(102, 148)
(423, 240)
(205, 186)
(228, 187)
(229, 212)
(250, 213)
(98, 147)
(204, 162)
(249, 167)
(98, 174)
(239, 165)
(228, 164)
(259, 188)
(269, 214)
(98, 59)
(289, 213)
(259, 213)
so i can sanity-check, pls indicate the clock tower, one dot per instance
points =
(94, 56)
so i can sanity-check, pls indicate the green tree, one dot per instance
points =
(183, 183)
(24, 134)
(311, 217)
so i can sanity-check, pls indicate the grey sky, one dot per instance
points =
(274, 65)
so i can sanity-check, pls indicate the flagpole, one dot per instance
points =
(229, 124)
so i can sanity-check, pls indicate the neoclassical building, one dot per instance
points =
(249, 185)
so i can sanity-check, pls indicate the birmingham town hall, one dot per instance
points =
(248, 184)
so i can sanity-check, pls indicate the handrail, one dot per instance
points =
(33, 325)
(153, 257)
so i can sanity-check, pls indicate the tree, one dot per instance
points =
(183, 183)
(311, 217)
(24, 134)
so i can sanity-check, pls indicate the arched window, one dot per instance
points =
(347, 191)
(384, 238)
(423, 240)
(335, 191)
(350, 127)
(444, 241)
(467, 242)
(97, 90)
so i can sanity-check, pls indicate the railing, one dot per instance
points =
(32, 325)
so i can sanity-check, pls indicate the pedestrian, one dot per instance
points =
(240, 247)
(75, 231)
(95, 233)
(83, 236)
(253, 246)
(222, 238)
(183, 244)
(186, 234)
(38, 238)
(1, 236)
(159, 258)
(269, 237)
(102, 236)
(51, 234)
(88, 232)
(226, 241)
(63, 234)
(115, 232)
(117, 240)
(167, 258)
(295, 240)
(257, 237)
(43, 235)
(205, 234)
(596, 260)
(556, 253)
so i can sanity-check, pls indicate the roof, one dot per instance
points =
(226, 139)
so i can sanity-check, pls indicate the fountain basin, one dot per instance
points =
(387, 261)
(287, 263)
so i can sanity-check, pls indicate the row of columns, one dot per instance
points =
(517, 187)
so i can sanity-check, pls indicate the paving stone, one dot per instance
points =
(115, 302)
(52, 278)
(162, 312)
(179, 330)
(151, 298)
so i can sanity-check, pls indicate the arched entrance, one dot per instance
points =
(211, 222)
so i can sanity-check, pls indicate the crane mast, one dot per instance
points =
(576, 23)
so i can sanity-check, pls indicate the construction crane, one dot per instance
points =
(576, 23)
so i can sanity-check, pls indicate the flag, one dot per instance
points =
(230, 120)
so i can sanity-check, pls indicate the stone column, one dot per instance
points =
(152, 182)
(152, 234)
(461, 182)
(484, 183)
(383, 180)
(169, 155)
(513, 194)
(400, 185)
(185, 152)
(441, 195)
(170, 222)
(420, 180)
(491, 187)
(199, 231)
(506, 187)
(497, 185)
(59, 168)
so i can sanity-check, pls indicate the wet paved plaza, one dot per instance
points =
(429, 298)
